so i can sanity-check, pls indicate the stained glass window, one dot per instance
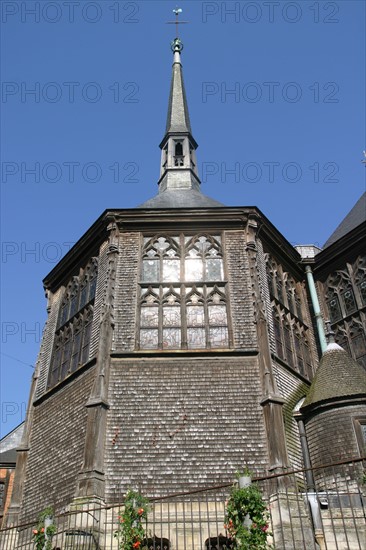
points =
(72, 338)
(196, 338)
(298, 349)
(149, 339)
(349, 301)
(363, 292)
(278, 336)
(195, 316)
(334, 309)
(184, 277)
(288, 343)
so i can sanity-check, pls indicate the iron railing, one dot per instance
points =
(315, 509)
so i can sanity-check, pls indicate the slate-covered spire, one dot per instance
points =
(178, 168)
(178, 115)
(179, 183)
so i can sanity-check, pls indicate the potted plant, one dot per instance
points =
(244, 477)
(45, 530)
(247, 517)
(131, 530)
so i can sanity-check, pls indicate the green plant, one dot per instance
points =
(131, 531)
(247, 518)
(243, 473)
(42, 534)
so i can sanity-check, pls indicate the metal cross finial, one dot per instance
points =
(177, 11)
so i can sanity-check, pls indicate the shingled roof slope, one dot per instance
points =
(354, 218)
(338, 376)
(181, 198)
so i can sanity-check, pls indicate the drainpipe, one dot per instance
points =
(316, 308)
(311, 493)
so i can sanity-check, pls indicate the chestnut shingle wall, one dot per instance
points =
(331, 435)
(45, 353)
(180, 423)
(241, 298)
(291, 389)
(126, 292)
(56, 448)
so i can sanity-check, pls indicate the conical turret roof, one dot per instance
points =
(338, 376)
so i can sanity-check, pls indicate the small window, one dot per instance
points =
(363, 292)
(349, 301)
(360, 429)
(334, 309)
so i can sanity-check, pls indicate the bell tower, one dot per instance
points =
(178, 168)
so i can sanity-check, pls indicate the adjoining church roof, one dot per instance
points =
(9, 444)
(338, 376)
(355, 217)
(181, 198)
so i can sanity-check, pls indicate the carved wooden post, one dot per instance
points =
(272, 402)
(91, 476)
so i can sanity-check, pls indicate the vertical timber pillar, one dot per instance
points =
(90, 485)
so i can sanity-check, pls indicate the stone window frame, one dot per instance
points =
(73, 333)
(180, 245)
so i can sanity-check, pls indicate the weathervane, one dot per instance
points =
(177, 22)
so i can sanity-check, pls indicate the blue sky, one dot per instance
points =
(276, 98)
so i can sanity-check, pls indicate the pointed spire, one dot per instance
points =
(178, 116)
(179, 183)
(178, 160)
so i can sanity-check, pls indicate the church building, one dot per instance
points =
(183, 344)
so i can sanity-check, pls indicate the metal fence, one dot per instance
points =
(314, 509)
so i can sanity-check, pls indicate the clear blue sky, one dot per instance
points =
(288, 138)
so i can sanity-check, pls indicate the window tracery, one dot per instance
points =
(345, 298)
(183, 301)
(291, 334)
(73, 333)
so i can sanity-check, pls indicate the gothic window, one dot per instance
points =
(291, 334)
(362, 288)
(279, 287)
(298, 307)
(278, 336)
(288, 343)
(360, 279)
(345, 295)
(299, 354)
(358, 342)
(349, 301)
(334, 309)
(183, 301)
(72, 338)
(360, 429)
